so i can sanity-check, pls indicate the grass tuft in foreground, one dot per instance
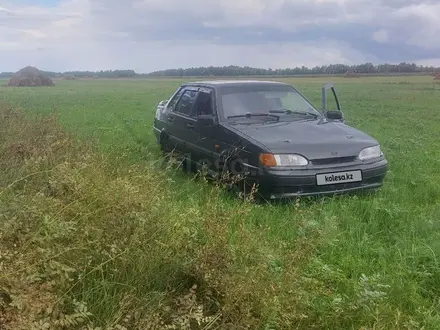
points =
(89, 244)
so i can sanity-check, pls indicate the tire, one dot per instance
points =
(163, 142)
(188, 166)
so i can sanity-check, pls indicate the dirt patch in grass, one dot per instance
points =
(351, 74)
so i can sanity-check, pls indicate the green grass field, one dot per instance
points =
(95, 221)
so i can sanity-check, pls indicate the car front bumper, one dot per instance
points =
(277, 184)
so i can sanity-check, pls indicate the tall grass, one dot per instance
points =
(86, 244)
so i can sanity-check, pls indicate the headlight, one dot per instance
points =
(283, 160)
(370, 153)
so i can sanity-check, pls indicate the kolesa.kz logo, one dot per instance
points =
(342, 177)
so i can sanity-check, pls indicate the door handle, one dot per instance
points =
(190, 126)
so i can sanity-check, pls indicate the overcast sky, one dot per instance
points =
(147, 35)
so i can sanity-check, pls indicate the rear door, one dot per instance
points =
(168, 118)
(184, 121)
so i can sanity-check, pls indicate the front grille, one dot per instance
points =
(331, 161)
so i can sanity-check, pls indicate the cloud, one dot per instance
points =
(381, 36)
(148, 35)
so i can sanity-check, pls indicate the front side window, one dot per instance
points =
(186, 102)
(203, 104)
(237, 101)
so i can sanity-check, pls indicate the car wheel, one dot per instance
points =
(163, 142)
(232, 175)
(188, 166)
(167, 152)
(243, 191)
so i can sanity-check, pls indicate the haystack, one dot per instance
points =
(30, 77)
(351, 74)
(437, 76)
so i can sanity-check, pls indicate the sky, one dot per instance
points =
(149, 35)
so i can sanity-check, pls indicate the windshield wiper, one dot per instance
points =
(249, 115)
(290, 112)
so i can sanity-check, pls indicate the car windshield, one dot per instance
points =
(251, 102)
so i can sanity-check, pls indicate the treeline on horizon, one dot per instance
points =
(232, 70)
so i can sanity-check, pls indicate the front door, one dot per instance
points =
(205, 139)
(198, 142)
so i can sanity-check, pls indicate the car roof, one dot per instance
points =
(232, 82)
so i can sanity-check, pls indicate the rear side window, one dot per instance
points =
(186, 103)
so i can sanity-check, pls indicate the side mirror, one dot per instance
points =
(331, 114)
(206, 120)
(334, 115)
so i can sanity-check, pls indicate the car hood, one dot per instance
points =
(308, 138)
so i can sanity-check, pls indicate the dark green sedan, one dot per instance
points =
(269, 134)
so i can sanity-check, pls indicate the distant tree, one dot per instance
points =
(365, 68)
(233, 70)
